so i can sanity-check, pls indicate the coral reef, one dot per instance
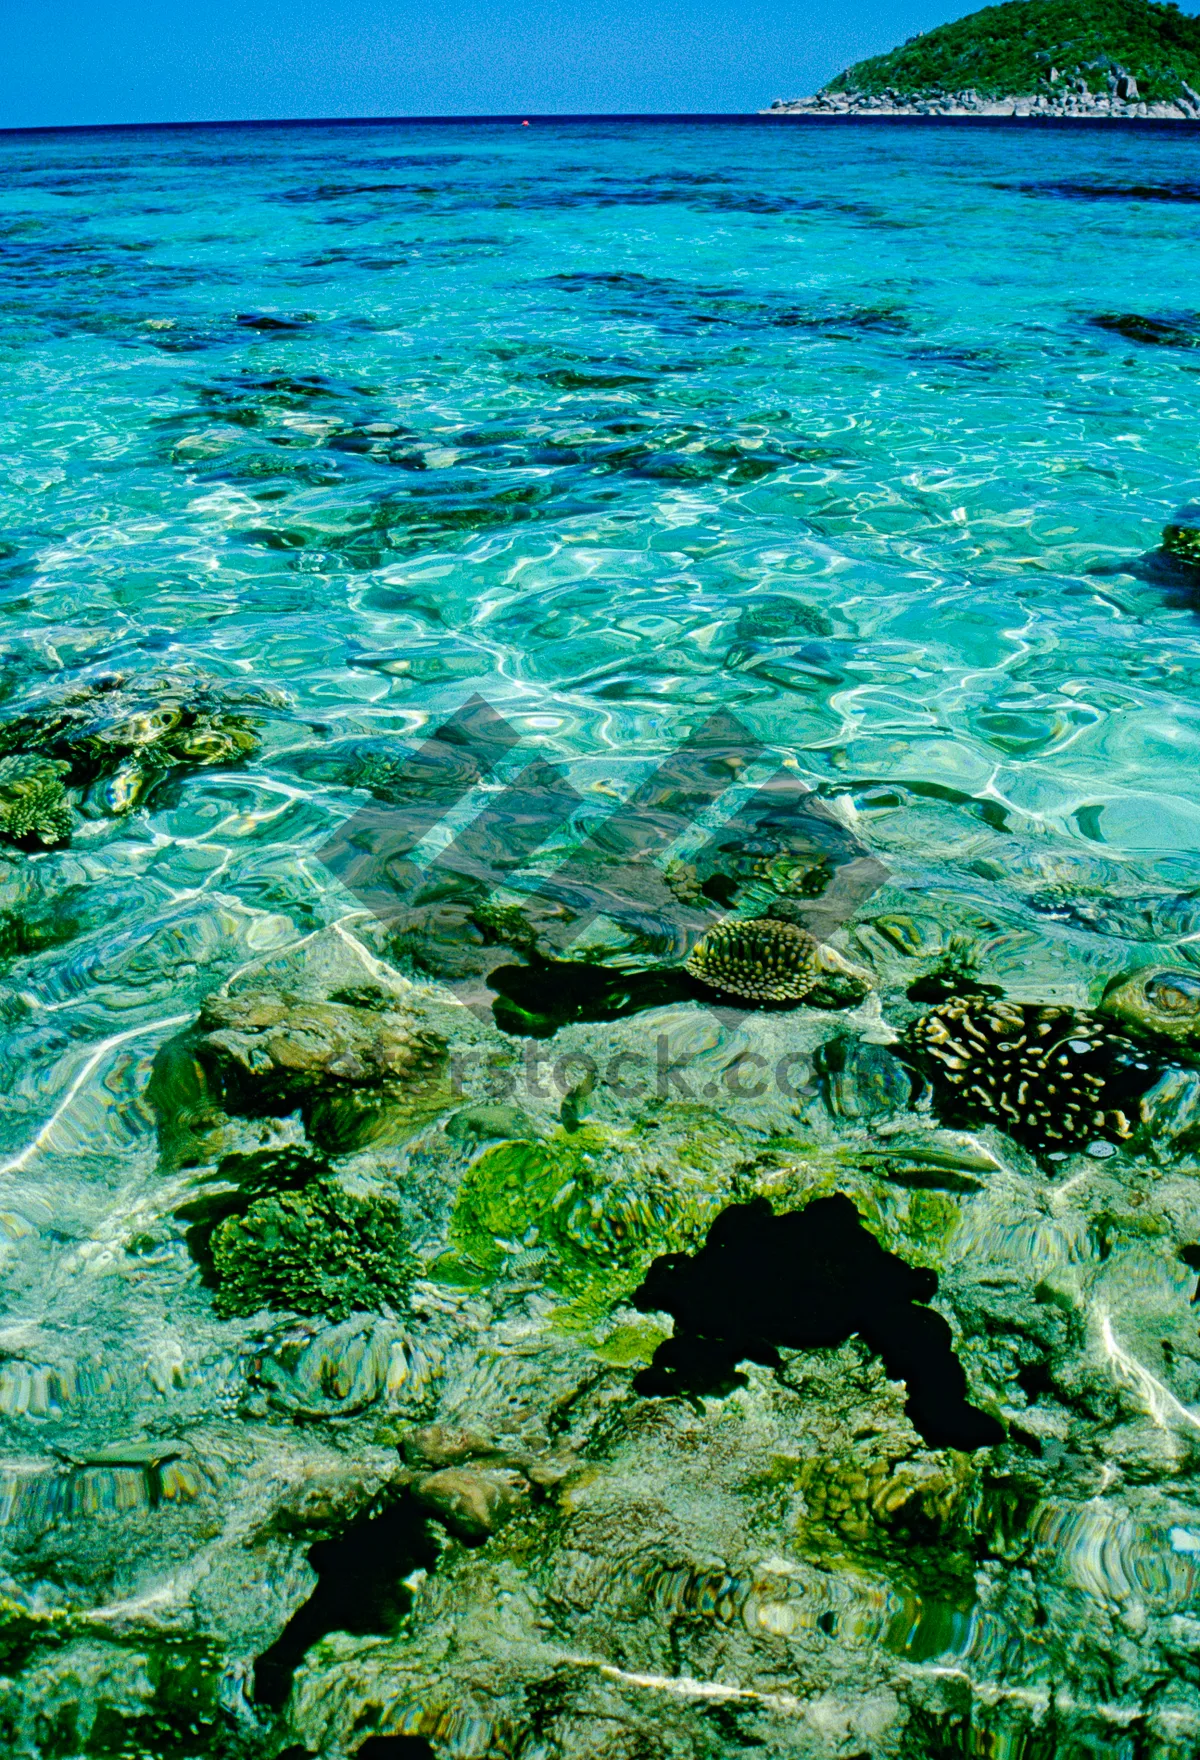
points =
(322, 1250)
(1051, 1077)
(756, 960)
(567, 1208)
(870, 1495)
(33, 803)
(120, 734)
(734, 1415)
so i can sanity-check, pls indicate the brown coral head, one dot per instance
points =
(758, 959)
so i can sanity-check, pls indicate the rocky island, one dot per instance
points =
(1076, 58)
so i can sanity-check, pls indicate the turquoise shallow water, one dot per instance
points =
(866, 435)
(376, 416)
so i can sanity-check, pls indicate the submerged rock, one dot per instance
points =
(758, 960)
(863, 1081)
(33, 801)
(444, 1445)
(1156, 1000)
(40, 908)
(605, 1546)
(836, 991)
(1146, 917)
(472, 1501)
(350, 1066)
(272, 1049)
(1170, 1110)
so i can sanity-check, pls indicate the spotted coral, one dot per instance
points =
(759, 960)
(322, 1250)
(1050, 1077)
(921, 1496)
(33, 801)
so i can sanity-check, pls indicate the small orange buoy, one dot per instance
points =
(524, 125)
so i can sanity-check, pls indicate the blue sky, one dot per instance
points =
(80, 61)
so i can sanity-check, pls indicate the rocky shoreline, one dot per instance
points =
(1120, 103)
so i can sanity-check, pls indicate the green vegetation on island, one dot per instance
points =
(1031, 47)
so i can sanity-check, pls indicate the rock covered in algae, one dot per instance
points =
(472, 1501)
(276, 1047)
(756, 960)
(1051, 1077)
(348, 1065)
(1156, 1000)
(322, 1250)
(33, 801)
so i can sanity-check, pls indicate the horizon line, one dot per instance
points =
(522, 118)
(517, 116)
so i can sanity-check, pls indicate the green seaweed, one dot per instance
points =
(322, 1250)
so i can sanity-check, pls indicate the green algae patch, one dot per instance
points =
(630, 1346)
(933, 1219)
(583, 1210)
(322, 1250)
(23, 1626)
